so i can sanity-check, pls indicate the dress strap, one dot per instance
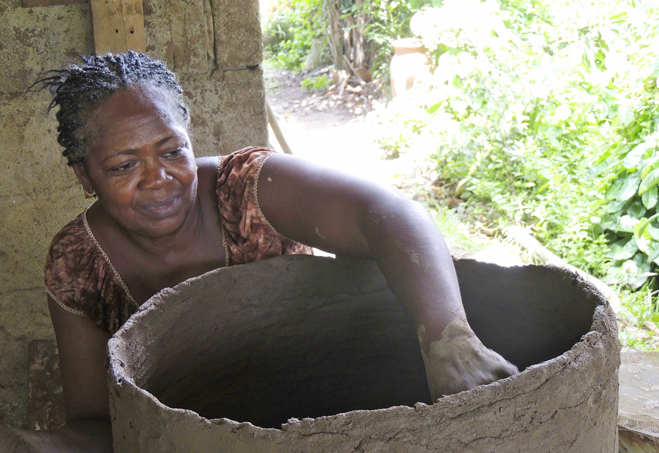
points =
(106, 257)
(65, 307)
(220, 161)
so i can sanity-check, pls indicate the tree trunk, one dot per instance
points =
(358, 38)
(335, 33)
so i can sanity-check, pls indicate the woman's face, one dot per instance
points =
(141, 164)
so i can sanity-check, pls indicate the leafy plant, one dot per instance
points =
(315, 83)
(631, 215)
(294, 24)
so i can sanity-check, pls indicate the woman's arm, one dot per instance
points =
(82, 350)
(350, 217)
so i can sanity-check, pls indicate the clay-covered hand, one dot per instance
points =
(459, 361)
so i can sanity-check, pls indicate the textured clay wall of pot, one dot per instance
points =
(300, 354)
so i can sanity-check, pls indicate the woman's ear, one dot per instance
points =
(81, 173)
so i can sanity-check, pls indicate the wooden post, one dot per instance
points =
(272, 119)
(118, 26)
(36, 3)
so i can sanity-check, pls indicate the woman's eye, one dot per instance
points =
(123, 167)
(173, 153)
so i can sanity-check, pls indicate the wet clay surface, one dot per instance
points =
(321, 346)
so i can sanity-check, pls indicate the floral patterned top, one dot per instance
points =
(80, 277)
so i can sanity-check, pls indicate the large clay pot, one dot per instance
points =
(220, 362)
(410, 64)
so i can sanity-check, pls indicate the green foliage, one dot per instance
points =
(291, 28)
(452, 229)
(388, 20)
(295, 23)
(638, 307)
(544, 113)
(312, 84)
(631, 215)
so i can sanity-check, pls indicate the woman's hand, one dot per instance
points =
(459, 361)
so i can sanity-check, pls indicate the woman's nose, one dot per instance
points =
(154, 176)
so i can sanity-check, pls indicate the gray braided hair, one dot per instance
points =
(79, 90)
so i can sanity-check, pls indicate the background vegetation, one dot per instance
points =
(362, 30)
(290, 30)
(540, 113)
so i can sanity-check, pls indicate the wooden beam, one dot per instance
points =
(134, 25)
(34, 3)
(118, 26)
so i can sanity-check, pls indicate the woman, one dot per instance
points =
(163, 216)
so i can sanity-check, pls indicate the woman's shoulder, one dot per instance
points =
(68, 257)
(240, 169)
(246, 155)
(78, 277)
(211, 164)
(218, 170)
(72, 238)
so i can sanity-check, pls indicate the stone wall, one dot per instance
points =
(215, 48)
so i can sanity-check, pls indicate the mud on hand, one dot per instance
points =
(460, 361)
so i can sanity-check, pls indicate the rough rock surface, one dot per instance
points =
(321, 347)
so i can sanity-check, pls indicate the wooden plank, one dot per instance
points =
(109, 35)
(118, 26)
(35, 3)
(134, 25)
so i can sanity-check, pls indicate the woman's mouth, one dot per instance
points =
(162, 208)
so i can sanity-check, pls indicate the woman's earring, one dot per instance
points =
(89, 195)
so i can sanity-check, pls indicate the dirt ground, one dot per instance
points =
(325, 129)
